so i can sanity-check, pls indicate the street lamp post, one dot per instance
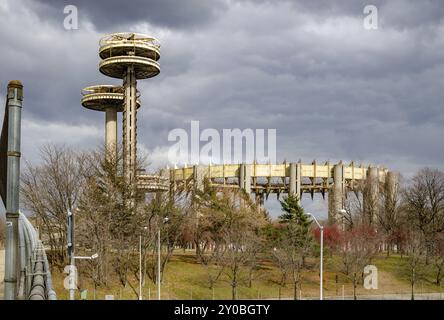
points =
(321, 271)
(165, 220)
(140, 265)
(71, 248)
(158, 264)
(72, 269)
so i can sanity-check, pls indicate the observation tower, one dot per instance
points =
(130, 57)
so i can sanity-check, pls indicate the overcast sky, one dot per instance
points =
(331, 88)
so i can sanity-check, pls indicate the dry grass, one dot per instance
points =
(186, 279)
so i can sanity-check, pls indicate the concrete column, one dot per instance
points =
(391, 184)
(242, 176)
(371, 193)
(111, 131)
(336, 195)
(199, 176)
(391, 187)
(245, 177)
(293, 169)
(299, 181)
(130, 125)
(247, 183)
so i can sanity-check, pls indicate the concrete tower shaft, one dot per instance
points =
(111, 129)
(371, 194)
(338, 194)
(130, 124)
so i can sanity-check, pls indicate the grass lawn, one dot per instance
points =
(186, 279)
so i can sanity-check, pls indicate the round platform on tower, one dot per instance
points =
(100, 97)
(120, 50)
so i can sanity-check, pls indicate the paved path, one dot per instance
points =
(402, 296)
(388, 296)
(391, 296)
(2, 272)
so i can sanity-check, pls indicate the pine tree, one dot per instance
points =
(293, 240)
(297, 223)
(293, 212)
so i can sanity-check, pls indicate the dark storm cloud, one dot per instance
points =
(332, 89)
(112, 14)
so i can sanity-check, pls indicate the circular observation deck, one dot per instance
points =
(115, 67)
(119, 44)
(121, 50)
(100, 97)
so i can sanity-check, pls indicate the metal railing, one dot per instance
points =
(35, 282)
(27, 274)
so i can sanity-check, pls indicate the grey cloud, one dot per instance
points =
(115, 14)
(331, 89)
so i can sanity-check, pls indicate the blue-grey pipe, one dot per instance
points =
(14, 103)
(38, 280)
(29, 252)
(23, 254)
(50, 293)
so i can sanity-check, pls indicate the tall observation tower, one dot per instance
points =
(127, 56)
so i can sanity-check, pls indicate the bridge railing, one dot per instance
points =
(35, 282)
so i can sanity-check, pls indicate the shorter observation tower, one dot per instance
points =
(109, 99)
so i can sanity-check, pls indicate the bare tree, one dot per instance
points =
(273, 233)
(110, 218)
(210, 218)
(289, 259)
(49, 190)
(230, 230)
(154, 216)
(389, 216)
(424, 203)
(354, 209)
(359, 245)
(241, 234)
(291, 242)
(416, 254)
(437, 258)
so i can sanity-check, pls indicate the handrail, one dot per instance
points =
(35, 275)
(129, 38)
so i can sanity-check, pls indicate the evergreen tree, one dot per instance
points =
(292, 241)
(294, 213)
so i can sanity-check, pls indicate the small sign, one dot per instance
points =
(109, 297)
(83, 294)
